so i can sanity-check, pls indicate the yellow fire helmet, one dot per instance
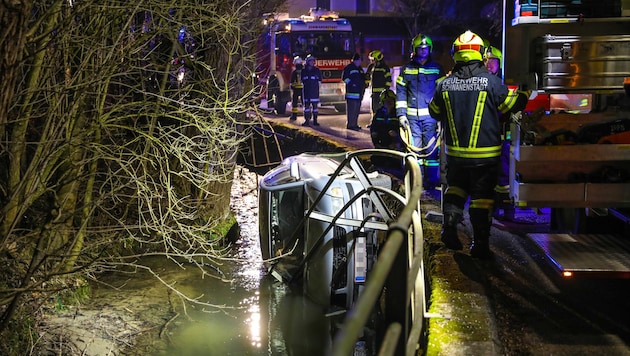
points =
(421, 41)
(468, 47)
(387, 95)
(376, 55)
(493, 52)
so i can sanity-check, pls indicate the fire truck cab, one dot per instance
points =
(570, 150)
(322, 34)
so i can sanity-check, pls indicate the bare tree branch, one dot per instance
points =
(120, 124)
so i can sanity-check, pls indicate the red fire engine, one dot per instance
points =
(321, 33)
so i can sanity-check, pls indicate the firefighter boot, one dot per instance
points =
(315, 123)
(509, 213)
(293, 116)
(480, 247)
(307, 118)
(505, 209)
(431, 174)
(449, 232)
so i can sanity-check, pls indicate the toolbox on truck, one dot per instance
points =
(584, 8)
(568, 175)
(581, 63)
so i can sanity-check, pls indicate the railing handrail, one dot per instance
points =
(397, 236)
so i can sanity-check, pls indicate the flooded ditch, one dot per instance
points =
(244, 312)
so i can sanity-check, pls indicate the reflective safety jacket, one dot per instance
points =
(468, 103)
(354, 77)
(379, 76)
(296, 78)
(414, 88)
(311, 78)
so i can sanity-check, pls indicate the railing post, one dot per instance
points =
(396, 297)
(392, 272)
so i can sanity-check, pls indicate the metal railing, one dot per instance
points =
(399, 269)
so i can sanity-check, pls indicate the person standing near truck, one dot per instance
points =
(354, 77)
(503, 208)
(385, 132)
(379, 77)
(311, 79)
(492, 59)
(414, 89)
(296, 87)
(468, 103)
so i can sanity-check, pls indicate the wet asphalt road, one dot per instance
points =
(538, 312)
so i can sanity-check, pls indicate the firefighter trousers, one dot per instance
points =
(477, 182)
(353, 107)
(296, 100)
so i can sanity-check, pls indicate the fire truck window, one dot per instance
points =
(312, 46)
(299, 48)
(284, 45)
(320, 44)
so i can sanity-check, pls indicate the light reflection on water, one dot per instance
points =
(268, 318)
(251, 314)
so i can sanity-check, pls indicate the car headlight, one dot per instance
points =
(336, 199)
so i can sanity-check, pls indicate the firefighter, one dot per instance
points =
(468, 103)
(492, 59)
(384, 129)
(503, 208)
(379, 77)
(354, 77)
(385, 132)
(311, 79)
(414, 88)
(296, 87)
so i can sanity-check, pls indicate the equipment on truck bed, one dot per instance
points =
(575, 157)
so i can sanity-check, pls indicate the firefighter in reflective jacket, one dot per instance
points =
(468, 103)
(379, 77)
(414, 89)
(311, 79)
(354, 77)
(503, 207)
(296, 87)
(385, 129)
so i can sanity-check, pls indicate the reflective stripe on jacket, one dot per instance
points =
(379, 76)
(469, 108)
(296, 79)
(354, 77)
(415, 86)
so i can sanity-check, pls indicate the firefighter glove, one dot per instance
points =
(404, 123)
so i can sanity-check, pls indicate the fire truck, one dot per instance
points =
(322, 34)
(570, 149)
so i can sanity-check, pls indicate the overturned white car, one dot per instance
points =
(321, 220)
